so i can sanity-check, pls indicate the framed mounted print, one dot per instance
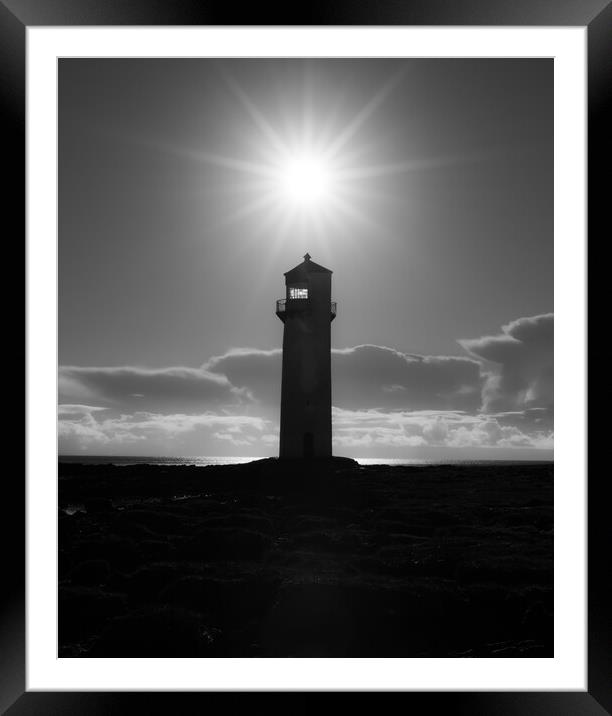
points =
(301, 299)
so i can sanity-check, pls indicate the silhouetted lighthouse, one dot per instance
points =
(307, 312)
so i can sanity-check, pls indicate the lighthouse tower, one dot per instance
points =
(307, 312)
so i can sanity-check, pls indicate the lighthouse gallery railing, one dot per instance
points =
(281, 305)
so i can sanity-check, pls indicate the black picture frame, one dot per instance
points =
(17, 15)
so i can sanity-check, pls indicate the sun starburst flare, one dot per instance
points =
(305, 171)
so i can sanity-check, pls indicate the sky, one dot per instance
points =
(187, 187)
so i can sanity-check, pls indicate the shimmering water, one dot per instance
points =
(204, 460)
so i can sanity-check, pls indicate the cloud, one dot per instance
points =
(256, 372)
(518, 364)
(377, 376)
(167, 389)
(84, 429)
(454, 429)
(364, 376)
(500, 395)
(67, 409)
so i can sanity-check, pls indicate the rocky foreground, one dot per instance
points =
(271, 559)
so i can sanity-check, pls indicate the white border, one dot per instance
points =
(567, 670)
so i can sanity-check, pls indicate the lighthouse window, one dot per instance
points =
(298, 293)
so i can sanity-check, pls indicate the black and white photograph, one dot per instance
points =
(305, 389)
(304, 286)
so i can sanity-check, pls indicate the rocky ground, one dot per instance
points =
(274, 559)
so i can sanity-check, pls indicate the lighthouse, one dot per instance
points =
(306, 312)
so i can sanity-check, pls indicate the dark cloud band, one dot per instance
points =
(499, 395)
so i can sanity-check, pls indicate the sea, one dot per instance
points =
(202, 461)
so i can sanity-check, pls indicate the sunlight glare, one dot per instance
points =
(306, 172)
(305, 180)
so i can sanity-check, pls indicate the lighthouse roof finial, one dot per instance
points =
(298, 273)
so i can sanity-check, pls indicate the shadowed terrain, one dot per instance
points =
(279, 559)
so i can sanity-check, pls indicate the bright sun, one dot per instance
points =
(307, 172)
(305, 180)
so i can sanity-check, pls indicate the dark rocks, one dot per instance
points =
(82, 611)
(311, 620)
(241, 520)
(225, 543)
(156, 521)
(92, 572)
(144, 585)
(221, 598)
(270, 559)
(164, 632)
(120, 553)
(96, 505)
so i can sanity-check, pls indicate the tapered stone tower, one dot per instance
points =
(307, 312)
